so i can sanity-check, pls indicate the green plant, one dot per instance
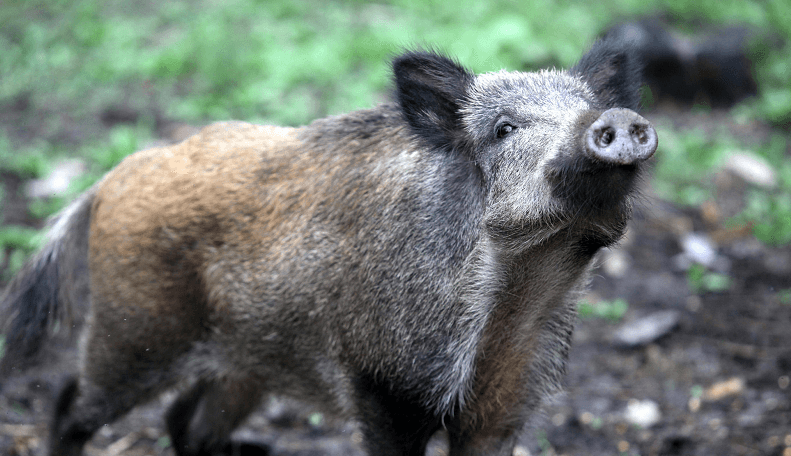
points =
(770, 216)
(784, 296)
(700, 280)
(164, 442)
(123, 141)
(18, 408)
(46, 207)
(768, 210)
(316, 419)
(543, 442)
(21, 241)
(27, 162)
(20, 237)
(609, 310)
(696, 391)
(685, 161)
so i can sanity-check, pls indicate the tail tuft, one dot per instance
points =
(34, 300)
(28, 305)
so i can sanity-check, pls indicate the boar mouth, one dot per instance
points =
(590, 198)
(591, 188)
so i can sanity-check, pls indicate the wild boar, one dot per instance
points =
(411, 267)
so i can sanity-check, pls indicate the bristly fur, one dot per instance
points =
(36, 299)
(31, 301)
(412, 266)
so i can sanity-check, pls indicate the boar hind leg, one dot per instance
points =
(81, 408)
(201, 420)
(126, 360)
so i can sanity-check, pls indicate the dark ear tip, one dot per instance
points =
(612, 48)
(613, 69)
(405, 58)
(430, 90)
(413, 55)
(426, 60)
(430, 67)
(410, 57)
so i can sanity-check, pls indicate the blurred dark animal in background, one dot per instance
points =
(711, 67)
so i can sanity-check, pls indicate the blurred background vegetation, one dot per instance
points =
(96, 80)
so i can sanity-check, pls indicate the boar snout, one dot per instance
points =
(621, 137)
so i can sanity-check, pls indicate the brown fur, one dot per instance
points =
(410, 266)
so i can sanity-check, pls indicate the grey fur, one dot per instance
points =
(410, 267)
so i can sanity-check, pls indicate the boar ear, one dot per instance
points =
(431, 89)
(613, 70)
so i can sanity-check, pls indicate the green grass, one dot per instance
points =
(20, 242)
(769, 213)
(19, 237)
(682, 159)
(289, 62)
(30, 161)
(687, 160)
(769, 210)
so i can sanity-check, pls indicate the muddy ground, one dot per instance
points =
(713, 381)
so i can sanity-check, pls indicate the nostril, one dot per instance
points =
(639, 132)
(606, 136)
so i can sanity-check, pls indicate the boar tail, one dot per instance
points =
(50, 294)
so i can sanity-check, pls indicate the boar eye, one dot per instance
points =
(503, 129)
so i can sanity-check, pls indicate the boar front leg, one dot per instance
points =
(489, 442)
(201, 420)
(486, 431)
(391, 423)
(509, 388)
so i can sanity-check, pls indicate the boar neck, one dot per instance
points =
(529, 300)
